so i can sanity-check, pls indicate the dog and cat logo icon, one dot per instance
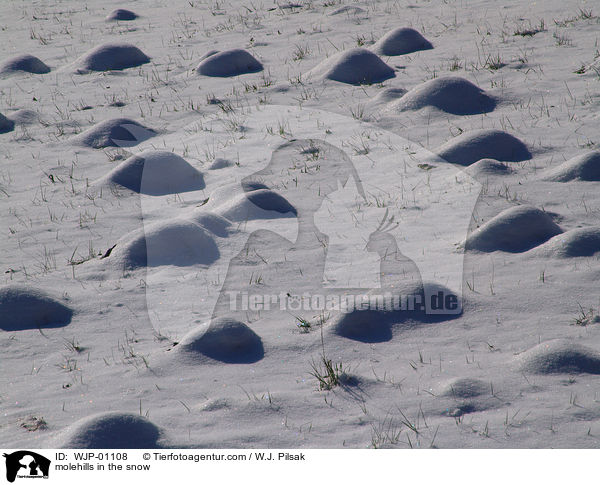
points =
(26, 464)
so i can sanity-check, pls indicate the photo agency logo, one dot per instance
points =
(296, 210)
(26, 464)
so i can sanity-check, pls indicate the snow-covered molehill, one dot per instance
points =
(368, 326)
(121, 14)
(155, 172)
(224, 340)
(451, 94)
(580, 242)
(487, 167)
(375, 320)
(248, 185)
(234, 62)
(6, 124)
(117, 132)
(582, 167)
(111, 430)
(24, 63)
(472, 146)
(207, 54)
(112, 56)
(349, 10)
(465, 395)
(514, 230)
(22, 117)
(176, 243)
(559, 357)
(214, 223)
(402, 40)
(256, 204)
(387, 95)
(24, 308)
(354, 66)
(220, 163)
(464, 388)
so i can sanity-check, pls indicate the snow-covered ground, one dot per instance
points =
(191, 196)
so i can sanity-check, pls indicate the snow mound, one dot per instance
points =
(487, 167)
(214, 223)
(368, 326)
(584, 241)
(465, 388)
(155, 172)
(117, 132)
(373, 321)
(22, 117)
(208, 54)
(256, 204)
(220, 163)
(403, 40)
(270, 201)
(112, 430)
(470, 147)
(559, 357)
(112, 56)
(24, 63)
(514, 230)
(6, 124)
(388, 95)
(582, 167)
(234, 62)
(121, 14)
(354, 66)
(24, 308)
(451, 94)
(248, 185)
(225, 340)
(175, 243)
(217, 404)
(348, 10)
(465, 408)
